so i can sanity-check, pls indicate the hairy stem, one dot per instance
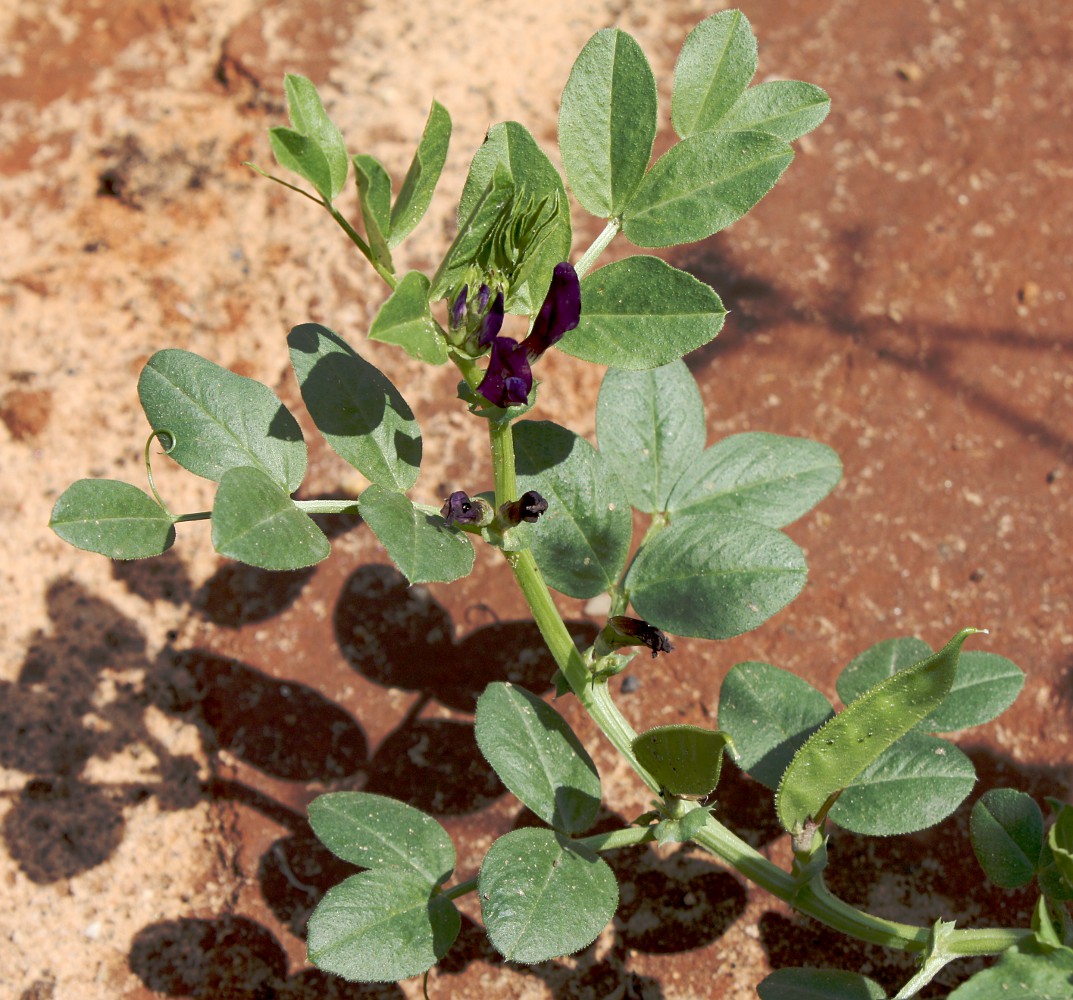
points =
(599, 245)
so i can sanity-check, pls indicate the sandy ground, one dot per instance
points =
(903, 296)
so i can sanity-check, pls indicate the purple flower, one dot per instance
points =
(508, 379)
(559, 314)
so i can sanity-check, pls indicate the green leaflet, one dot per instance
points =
(715, 65)
(818, 984)
(374, 196)
(405, 319)
(355, 406)
(650, 426)
(113, 518)
(380, 926)
(374, 831)
(314, 147)
(702, 185)
(256, 522)
(1006, 827)
(583, 540)
(217, 420)
(419, 543)
(543, 895)
(841, 749)
(786, 108)
(685, 760)
(536, 754)
(641, 313)
(421, 179)
(607, 122)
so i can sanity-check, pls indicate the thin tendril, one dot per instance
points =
(162, 435)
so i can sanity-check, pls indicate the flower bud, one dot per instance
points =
(528, 507)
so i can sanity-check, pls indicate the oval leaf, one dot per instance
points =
(650, 427)
(641, 313)
(421, 179)
(380, 926)
(581, 543)
(841, 749)
(717, 61)
(770, 713)
(702, 185)
(714, 580)
(373, 831)
(685, 760)
(405, 319)
(769, 478)
(818, 984)
(256, 522)
(916, 783)
(1006, 827)
(357, 409)
(786, 108)
(218, 420)
(607, 122)
(538, 757)
(419, 542)
(543, 896)
(113, 518)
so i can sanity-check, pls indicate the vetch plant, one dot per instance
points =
(713, 562)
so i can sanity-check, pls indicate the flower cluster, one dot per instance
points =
(508, 380)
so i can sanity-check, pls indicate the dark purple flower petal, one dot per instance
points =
(527, 508)
(508, 379)
(483, 294)
(624, 631)
(459, 509)
(492, 322)
(458, 310)
(560, 313)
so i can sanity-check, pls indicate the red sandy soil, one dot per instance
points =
(902, 295)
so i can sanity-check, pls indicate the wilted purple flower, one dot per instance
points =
(508, 379)
(624, 631)
(458, 508)
(527, 508)
(559, 314)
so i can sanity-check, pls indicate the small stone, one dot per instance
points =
(1028, 293)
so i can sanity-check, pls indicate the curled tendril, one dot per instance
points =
(167, 442)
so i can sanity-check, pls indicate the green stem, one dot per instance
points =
(364, 247)
(327, 506)
(199, 515)
(599, 245)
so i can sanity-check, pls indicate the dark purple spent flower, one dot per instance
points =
(492, 322)
(624, 631)
(560, 312)
(459, 509)
(528, 507)
(508, 379)
(458, 310)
